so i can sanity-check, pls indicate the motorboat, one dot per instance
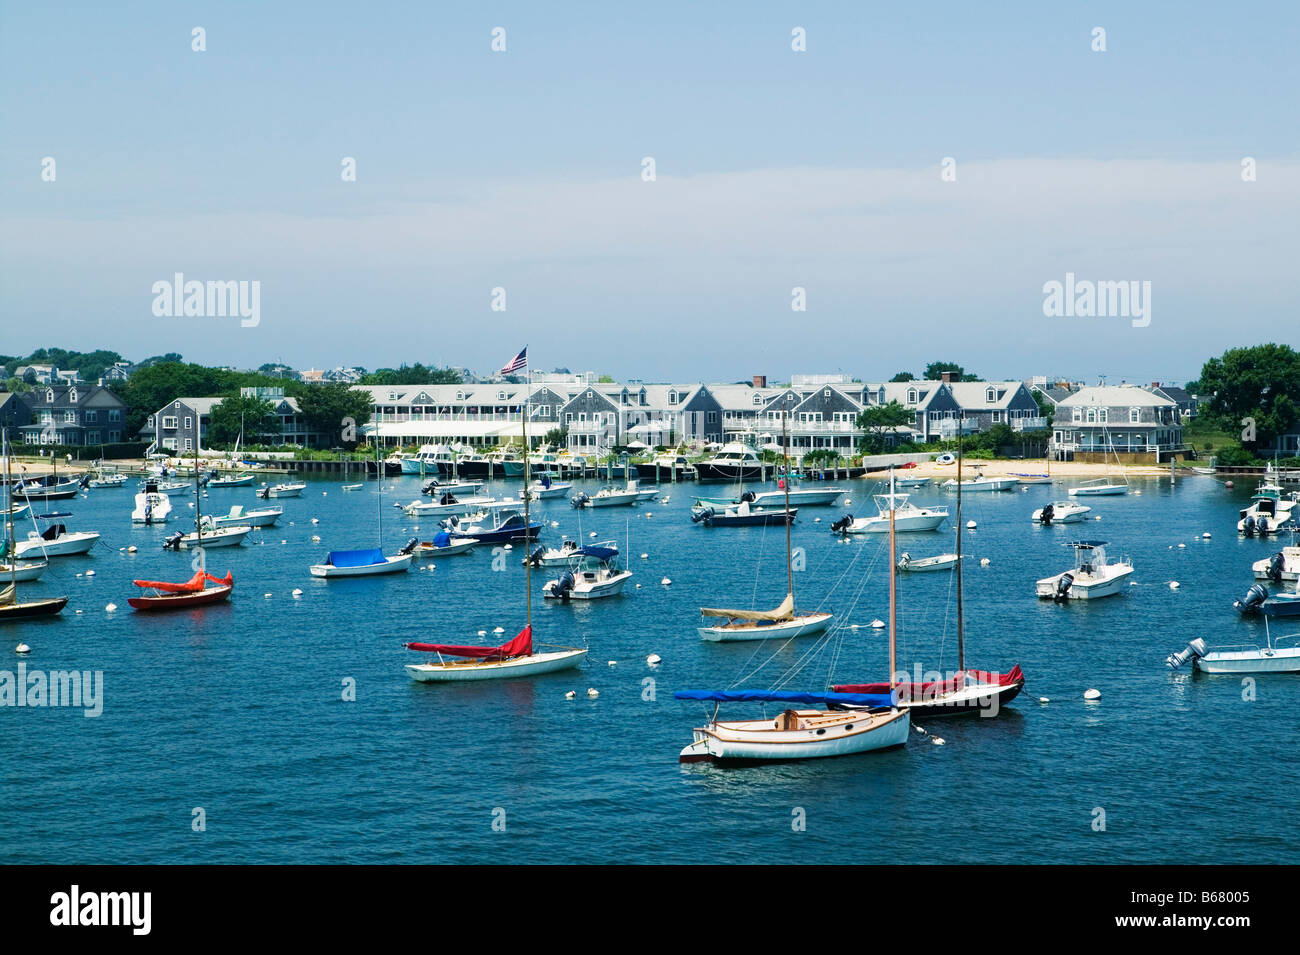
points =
(912, 482)
(742, 515)
(55, 541)
(1059, 512)
(445, 545)
(1284, 565)
(239, 480)
(924, 564)
(1284, 603)
(1280, 656)
(208, 537)
(1269, 511)
(1092, 577)
(500, 527)
(360, 563)
(665, 469)
(151, 505)
(48, 488)
(593, 573)
(799, 497)
(22, 570)
(1098, 488)
(982, 482)
(447, 505)
(734, 463)
(282, 490)
(907, 517)
(559, 556)
(609, 497)
(107, 479)
(194, 592)
(169, 487)
(546, 489)
(1033, 478)
(256, 517)
(437, 488)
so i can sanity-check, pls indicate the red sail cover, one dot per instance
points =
(191, 586)
(920, 691)
(520, 646)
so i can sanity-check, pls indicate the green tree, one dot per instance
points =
(877, 421)
(1260, 383)
(328, 408)
(903, 376)
(255, 416)
(416, 374)
(934, 371)
(556, 437)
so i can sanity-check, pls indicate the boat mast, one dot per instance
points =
(379, 493)
(961, 646)
(198, 505)
(10, 558)
(528, 564)
(893, 601)
(785, 454)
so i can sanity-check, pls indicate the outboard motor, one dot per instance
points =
(1248, 527)
(448, 498)
(842, 525)
(1253, 600)
(409, 546)
(1275, 565)
(1195, 648)
(702, 515)
(264, 493)
(1262, 524)
(429, 487)
(749, 497)
(173, 541)
(579, 500)
(84, 482)
(563, 587)
(1063, 588)
(535, 558)
(1046, 514)
(450, 524)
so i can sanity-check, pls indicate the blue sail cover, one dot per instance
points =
(777, 696)
(355, 558)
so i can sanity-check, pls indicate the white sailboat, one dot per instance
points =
(1102, 486)
(371, 561)
(518, 658)
(11, 608)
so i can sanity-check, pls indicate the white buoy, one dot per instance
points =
(666, 582)
(877, 624)
(593, 692)
(111, 607)
(1182, 545)
(555, 523)
(653, 659)
(1174, 585)
(315, 538)
(638, 586)
(645, 556)
(315, 520)
(613, 663)
(848, 501)
(508, 547)
(971, 525)
(22, 648)
(817, 520)
(1043, 699)
(1205, 536)
(570, 695)
(984, 562)
(498, 629)
(131, 549)
(482, 633)
(323, 493)
(90, 573)
(937, 740)
(78, 574)
(592, 534)
(297, 591)
(267, 594)
(919, 729)
(649, 514)
(1092, 694)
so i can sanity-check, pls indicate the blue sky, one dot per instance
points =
(775, 169)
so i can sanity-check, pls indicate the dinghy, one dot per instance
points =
(923, 564)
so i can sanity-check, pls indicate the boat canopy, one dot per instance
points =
(193, 585)
(783, 612)
(520, 646)
(596, 551)
(779, 696)
(355, 558)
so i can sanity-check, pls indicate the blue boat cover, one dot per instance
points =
(441, 539)
(777, 696)
(355, 558)
(600, 553)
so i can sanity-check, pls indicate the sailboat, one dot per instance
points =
(370, 561)
(519, 657)
(1102, 486)
(193, 592)
(768, 624)
(10, 606)
(851, 723)
(968, 691)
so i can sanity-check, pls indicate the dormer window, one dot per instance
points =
(460, 396)
(72, 395)
(828, 392)
(758, 399)
(911, 396)
(991, 395)
(672, 397)
(1134, 415)
(501, 396)
(49, 396)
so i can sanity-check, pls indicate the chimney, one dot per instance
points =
(760, 381)
(946, 376)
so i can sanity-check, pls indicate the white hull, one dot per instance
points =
(21, 571)
(1089, 588)
(923, 565)
(880, 525)
(1065, 512)
(548, 493)
(590, 589)
(844, 734)
(391, 565)
(466, 671)
(471, 505)
(285, 490)
(108, 482)
(617, 499)
(986, 484)
(262, 518)
(801, 498)
(151, 508)
(1286, 660)
(221, 537)
(801, 625)
(67, 545)
(457, 546)
(1102, 490)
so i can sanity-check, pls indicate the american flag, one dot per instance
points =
(518, 363)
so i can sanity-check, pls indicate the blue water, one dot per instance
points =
(239, 709)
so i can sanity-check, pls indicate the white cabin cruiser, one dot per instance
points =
(151, 505)
(1268, 512)
(608, 497)
(448, 505)
(594, 574)
(1091, 578)
(907, 517)
(1060, 512)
